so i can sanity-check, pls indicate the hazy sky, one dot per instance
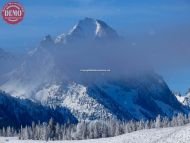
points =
(161, 27)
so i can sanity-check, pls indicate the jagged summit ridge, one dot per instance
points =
(88, 29)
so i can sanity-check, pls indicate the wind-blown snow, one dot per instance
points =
(163, 135)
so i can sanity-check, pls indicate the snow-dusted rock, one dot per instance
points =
(184, 99)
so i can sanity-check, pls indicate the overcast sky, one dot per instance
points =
(161, 27)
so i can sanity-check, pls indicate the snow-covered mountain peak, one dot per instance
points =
(88, 29)
(92, 28)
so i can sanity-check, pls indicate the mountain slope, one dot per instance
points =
(138, 97)
(17, 112)
(143, 96)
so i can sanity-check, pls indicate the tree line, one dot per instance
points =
(90, 129)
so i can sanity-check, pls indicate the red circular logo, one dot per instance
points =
(13, 13)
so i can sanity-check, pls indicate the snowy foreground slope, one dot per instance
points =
(163, 135)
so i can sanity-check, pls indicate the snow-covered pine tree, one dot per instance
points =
(158, 122)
